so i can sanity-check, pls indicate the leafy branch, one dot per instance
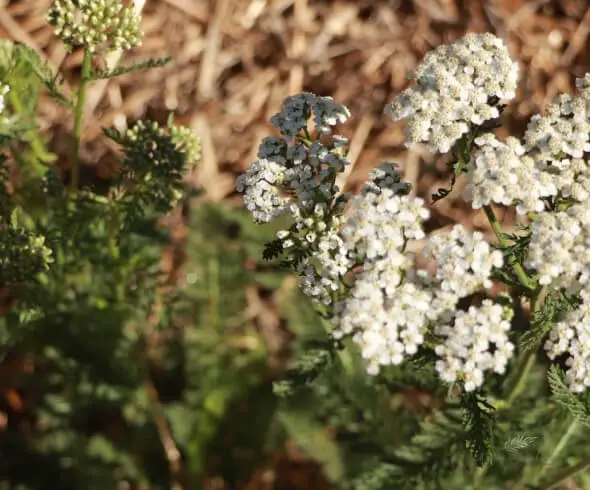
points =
(105, 73)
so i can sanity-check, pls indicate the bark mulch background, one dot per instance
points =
(236, 60)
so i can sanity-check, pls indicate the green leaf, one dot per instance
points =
(24, 62)
(479, 425)
(313, 438)
(121, 69)
(556, 305)
(518, 442)
(565, 397)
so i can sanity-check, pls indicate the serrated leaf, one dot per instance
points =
(565, 397)
(121, 69)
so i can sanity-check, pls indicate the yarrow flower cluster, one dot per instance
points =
(458, 86)
(352, 253)
(296, 110)
(385, 316)
(549, 163)
(295, 172)
(572, 338)
(564, 130)
(384, 222)
(559, 249)
(96, 24)
(476, 342)
(391, 304)
(500, 172)
(355, 261)
(465, 263)
(321, 274)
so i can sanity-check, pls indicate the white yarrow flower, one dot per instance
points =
(294, 174)
(465, 262)
(476, 342)
(559, 247)
(571, 337)
(500, 173)
(458, 86)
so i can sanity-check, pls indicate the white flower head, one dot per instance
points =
(477, 341)
(385, 316)
(297, 109)
(457, 86)
(464, 262)
(499, 172)
(381, 223)
(571, 337)
(296, 172)
(388, 325)
(559, 247)
(260, 185)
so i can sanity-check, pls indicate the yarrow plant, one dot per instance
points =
(438, 308)
(82, 288)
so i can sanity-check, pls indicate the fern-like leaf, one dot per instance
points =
(102, 74)
(565, 397)
(308, 367)
(479, 425)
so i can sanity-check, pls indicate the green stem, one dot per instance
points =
(516, 267)
(113, 229)
(515, 388)
(524, 368)
(573, 426)
(480, 474)
(79, 117)
(526, 363)
(566, 474)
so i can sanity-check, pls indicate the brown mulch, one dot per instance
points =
(235, 61)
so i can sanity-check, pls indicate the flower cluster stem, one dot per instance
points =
(516, 266)
(527, 361)
(78, 120)
(572, 428)
(566, 474)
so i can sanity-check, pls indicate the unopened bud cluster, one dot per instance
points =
(96, 25)
(155, 161)
(23, 256)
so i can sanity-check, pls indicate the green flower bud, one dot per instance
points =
(23, 256)
(187, 142)
(154, 163)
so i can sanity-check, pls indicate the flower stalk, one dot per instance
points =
(79, 119)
